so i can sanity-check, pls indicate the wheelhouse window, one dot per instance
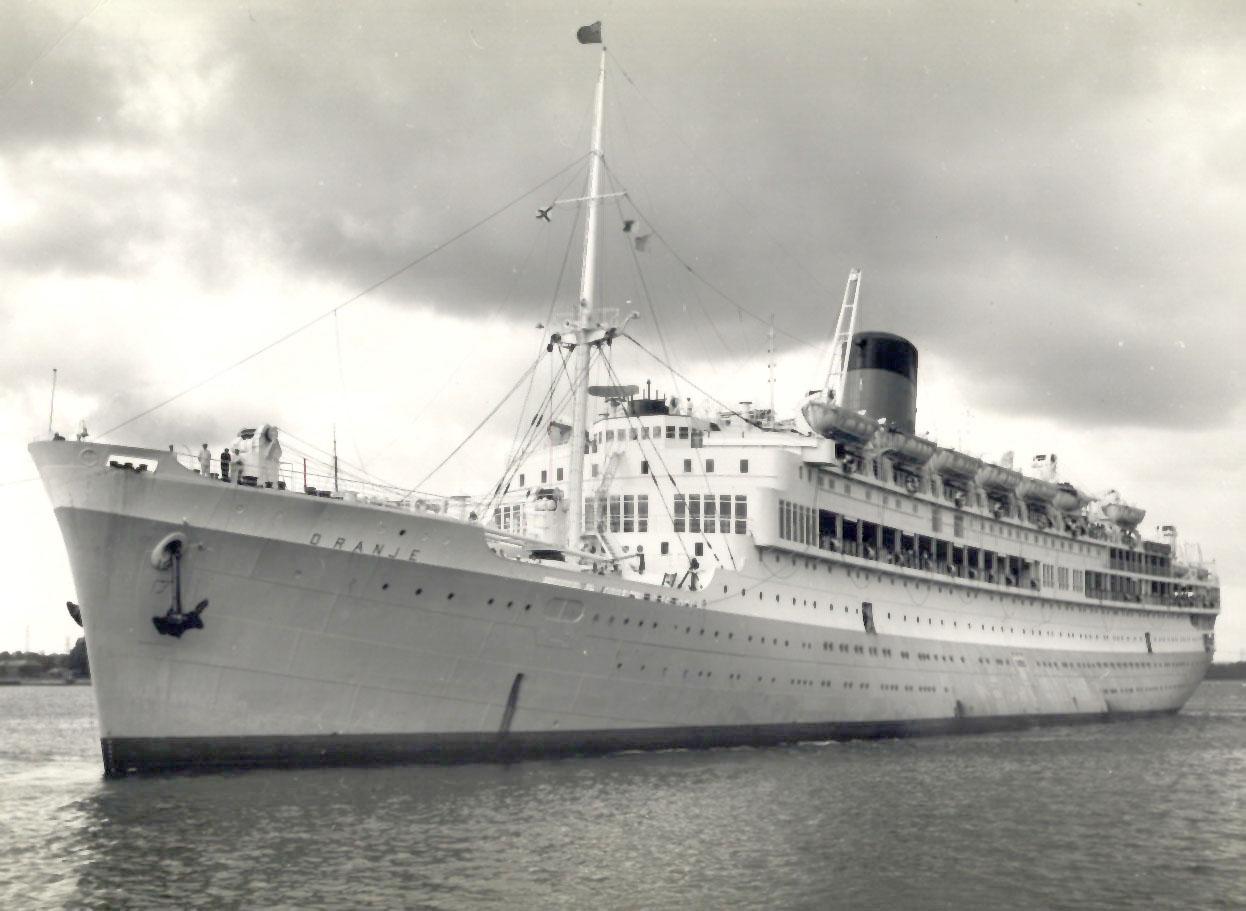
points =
(510, 518)
(618, 514)
(698, 513)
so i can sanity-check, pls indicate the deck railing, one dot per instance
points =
(297, 477)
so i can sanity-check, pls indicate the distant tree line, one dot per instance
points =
(36, 664)
(1230, 670)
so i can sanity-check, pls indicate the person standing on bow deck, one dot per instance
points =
(205, 461)
(268, 450)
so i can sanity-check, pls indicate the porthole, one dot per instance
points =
(419, 591)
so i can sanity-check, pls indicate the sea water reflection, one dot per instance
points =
(1144, 813)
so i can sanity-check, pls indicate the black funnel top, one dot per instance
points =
(883, 351)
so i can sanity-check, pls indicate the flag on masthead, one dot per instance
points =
(589, 34)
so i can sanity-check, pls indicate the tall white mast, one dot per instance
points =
(584, 328)
(770, 365)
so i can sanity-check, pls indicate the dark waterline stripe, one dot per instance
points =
(124, 755)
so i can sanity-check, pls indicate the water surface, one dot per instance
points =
(1137, 814)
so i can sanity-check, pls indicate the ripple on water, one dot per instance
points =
(1124, 815)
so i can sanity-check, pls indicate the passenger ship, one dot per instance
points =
(647, 576)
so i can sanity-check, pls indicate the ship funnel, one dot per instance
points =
(881, 379)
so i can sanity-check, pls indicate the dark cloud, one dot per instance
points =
(1036, 192)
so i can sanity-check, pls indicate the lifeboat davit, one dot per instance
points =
(1123, 514)
(840, 424)
(1069, 499)
(1037, 490)
(951, 462)
(904, 447)
(996, 477)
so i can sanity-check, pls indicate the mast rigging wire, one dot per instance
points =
(528, 445)
(350, 300)
(653, 229)
(716, 401)
(30, 67)
(496, 408)
(549, 316)
(657, 455)
(723, 185)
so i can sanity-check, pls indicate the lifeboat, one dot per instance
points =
(838, 423)
(1123, 514)
(1069, 499)
(1036, 490)
(905, 448)
(951, 462)
(996, 477)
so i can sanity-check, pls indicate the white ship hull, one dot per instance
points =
(339, 632)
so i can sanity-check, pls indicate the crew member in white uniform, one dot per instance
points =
(269, 452)
(205, 462)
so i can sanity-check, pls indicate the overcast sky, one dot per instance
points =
(1047, 199)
